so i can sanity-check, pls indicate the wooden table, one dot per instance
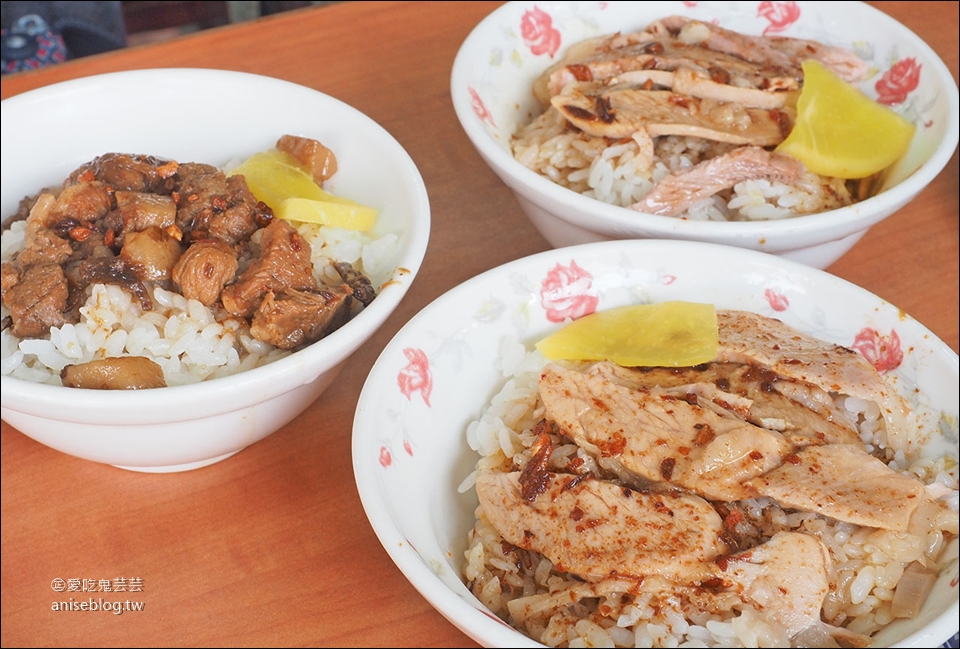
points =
(272, 547)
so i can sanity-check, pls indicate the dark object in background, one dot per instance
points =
(85, 28)
(30, 44)
(268, 8)
(150, 16)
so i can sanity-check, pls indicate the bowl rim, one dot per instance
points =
(474, 620)
(262, 383)
(583, 210)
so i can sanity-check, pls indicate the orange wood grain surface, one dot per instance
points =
(272, 547)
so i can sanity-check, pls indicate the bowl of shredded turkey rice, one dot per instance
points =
(797, 488)
(644, 120)
(217, 315)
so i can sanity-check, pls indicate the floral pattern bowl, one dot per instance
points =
(410, 446)
(494, 70)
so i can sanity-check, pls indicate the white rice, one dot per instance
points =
(186, 338)
(559, 610)
(622, 173)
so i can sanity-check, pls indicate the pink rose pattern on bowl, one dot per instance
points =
(415, 377)
(898, 82)
(539, 34)
(780, 15)
(567, 292)
(883, 352)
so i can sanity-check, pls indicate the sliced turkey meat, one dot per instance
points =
(681, 190)
(787, 578)
(844, 482)
(659, 437)
(802, 412)
(673, 64)
(701, 60)
(597, 529)
(782, 52)
(747, 337)
(617, 112)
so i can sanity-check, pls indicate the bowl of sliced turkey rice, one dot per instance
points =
(179, 284)
(610, 445)
(789, 128)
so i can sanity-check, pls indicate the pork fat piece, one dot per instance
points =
(119, 373)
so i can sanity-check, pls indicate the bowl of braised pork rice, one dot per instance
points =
(785, 127)
(189, 257)
(611, 444)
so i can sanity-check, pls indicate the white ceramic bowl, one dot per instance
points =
(410, 450)
(497, 63)
(215, 117)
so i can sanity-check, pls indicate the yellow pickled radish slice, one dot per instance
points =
(340, 213)
(668, 334)
(275, 178)
(841, 132)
